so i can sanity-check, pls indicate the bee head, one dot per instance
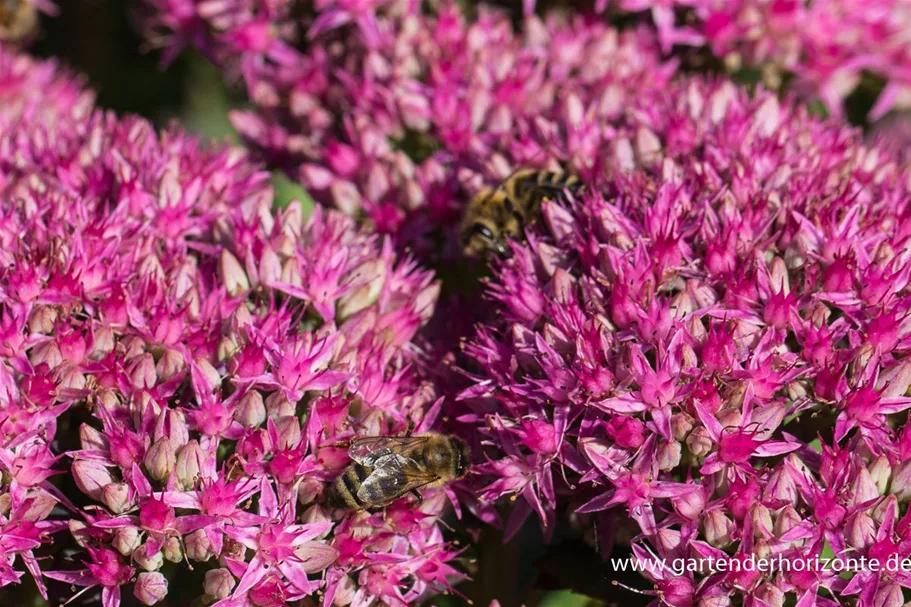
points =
(480, 237)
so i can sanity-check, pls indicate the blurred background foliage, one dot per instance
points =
(98, 39)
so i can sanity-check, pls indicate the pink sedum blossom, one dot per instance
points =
(220, 352)
(712, 347)
(431, 96)
(826, 46)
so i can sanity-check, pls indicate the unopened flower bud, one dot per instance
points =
(42, 319)
(690, 504)
(103, 343)
(717, 528)
(227, 348)
(116, 496)
(149, 563)
(901, 482)
(883, 507)
(770, 595)
(91, 439)
(46, 353)
(278, 405)
(371, 275)
(37, 507)
(317, 514)
(761, 548)
(345, 592)
(79, 531)
(797, 390)
(198, 546)
(889, 595)
(91, 477)
(251, 412)
(718, 599)
(219, 583)
(110, 399)
(668, 456)
(172, 424)
(160, 459)
(170, 364)
(669, 539)
(150, 588)
(315, 556)
(729, 417)
(233, 275)
(677, 591)
(190, 460)
(126, 540)
(762, 520)
(860, 531)
(288, 430)
(142, 372)
(172, 550)
(781, 487)
(209, 372)
(699, 442)
(786, 520)
(71, 379)
(881, 472)
(681, 425)
(309, 490)
(862, 488)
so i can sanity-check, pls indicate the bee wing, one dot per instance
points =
(392, 477)
(366, 451)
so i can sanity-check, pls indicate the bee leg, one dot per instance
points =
(417, 496)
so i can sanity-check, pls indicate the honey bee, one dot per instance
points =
(385, 468)
(494, 215)
(18, 20)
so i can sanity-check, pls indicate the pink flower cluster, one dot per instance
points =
(218, 353)
(391, 108)
(826, 45)
(708, 351)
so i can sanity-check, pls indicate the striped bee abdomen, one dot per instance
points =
(344, 490)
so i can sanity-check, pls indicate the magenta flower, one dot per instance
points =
(658, 346)
(826, 46)
(104, 569)
(147, 281)
(427, 93)
(280, 544)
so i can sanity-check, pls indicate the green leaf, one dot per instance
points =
(287, 190)
(565, 598)
(207, 102)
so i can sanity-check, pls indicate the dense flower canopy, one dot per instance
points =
(826, 46)
(702, 353)
(208, 354)
(713, 341)
(395, 109)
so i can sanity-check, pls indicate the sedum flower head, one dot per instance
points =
(830, 49)
(216, 352)
(709, 344)
(432, 96)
